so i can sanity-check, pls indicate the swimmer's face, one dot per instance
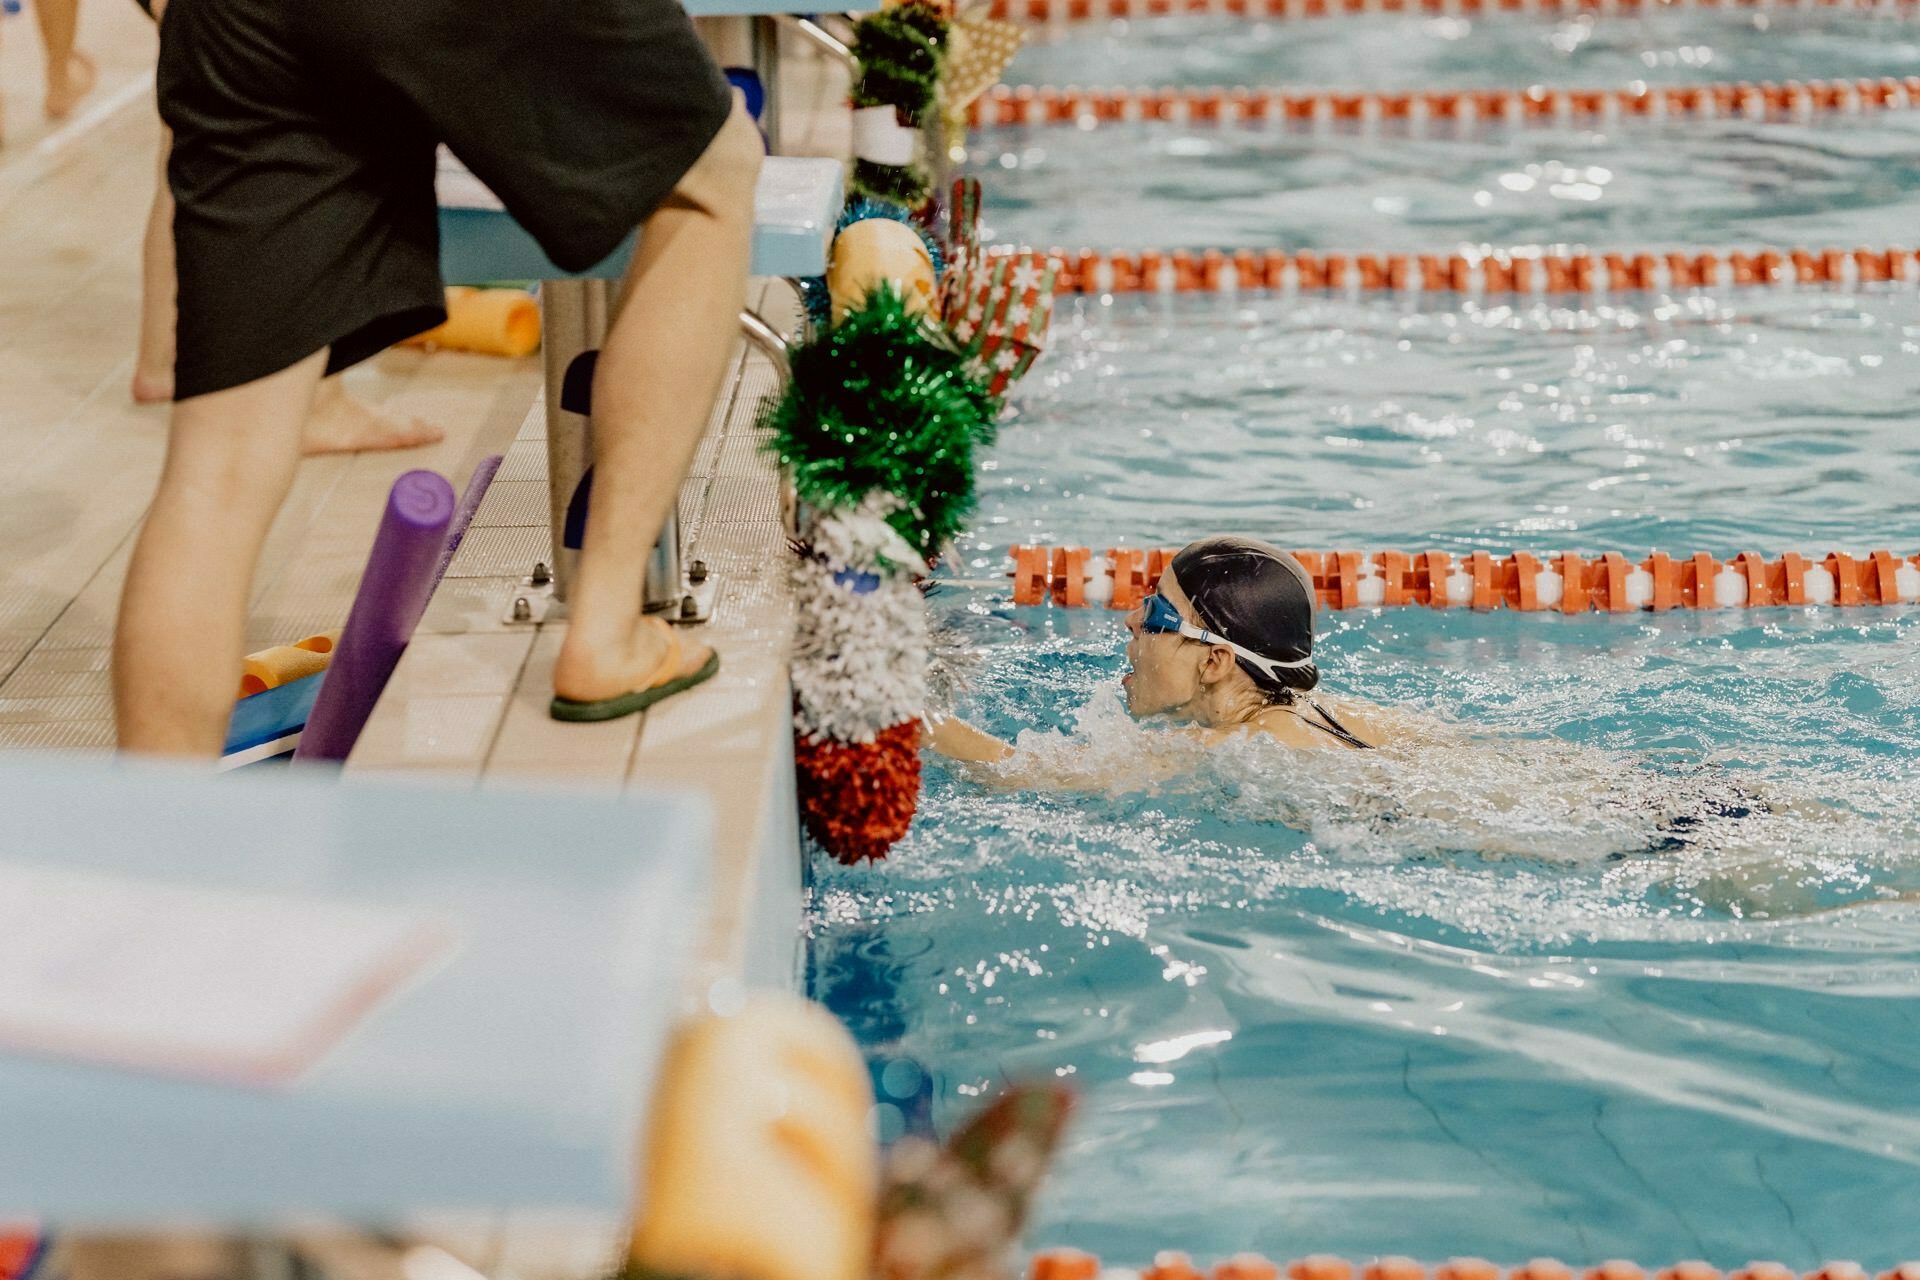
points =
(1166, 674)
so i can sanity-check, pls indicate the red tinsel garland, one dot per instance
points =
(858, 798)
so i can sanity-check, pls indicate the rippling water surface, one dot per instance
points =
(1617, 953)
(1831, 180)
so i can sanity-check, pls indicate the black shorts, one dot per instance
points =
(303, 155)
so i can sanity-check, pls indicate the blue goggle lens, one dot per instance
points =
(1161, 615)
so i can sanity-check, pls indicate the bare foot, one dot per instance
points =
(341, 424)
(66, 85)
(586, 672)
(152, 386)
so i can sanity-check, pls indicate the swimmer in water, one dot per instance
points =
(1224, 648)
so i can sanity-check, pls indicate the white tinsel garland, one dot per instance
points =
(861, 538)
(860, 646)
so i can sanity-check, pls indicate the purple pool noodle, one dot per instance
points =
(469, 503)
(393, 594)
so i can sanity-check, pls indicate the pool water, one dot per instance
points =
(1498, 51)
(1638, 184)
(1617, 952)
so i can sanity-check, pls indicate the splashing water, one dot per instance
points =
(1612, 953)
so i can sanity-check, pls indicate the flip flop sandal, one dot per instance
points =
(663, 686)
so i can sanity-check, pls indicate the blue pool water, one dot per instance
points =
(1444, 999)
(1637, 184)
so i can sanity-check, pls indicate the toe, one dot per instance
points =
(694, 658)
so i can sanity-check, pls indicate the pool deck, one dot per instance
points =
(468, 704)
(469, 699)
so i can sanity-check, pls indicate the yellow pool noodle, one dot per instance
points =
(759, 1163)
(271, 668)
(495, 322)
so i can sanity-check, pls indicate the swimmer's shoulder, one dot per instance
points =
(1298, 727)
(1373, 725)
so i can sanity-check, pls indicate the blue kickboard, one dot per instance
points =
(513, 1072)
(795, 209)
(274, 714)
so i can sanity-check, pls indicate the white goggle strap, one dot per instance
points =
(1272, 666)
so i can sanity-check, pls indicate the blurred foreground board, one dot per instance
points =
(216, 984)
(508, 1066)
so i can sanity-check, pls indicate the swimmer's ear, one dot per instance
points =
(1217, 665)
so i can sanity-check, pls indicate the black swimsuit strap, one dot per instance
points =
(1330, 724)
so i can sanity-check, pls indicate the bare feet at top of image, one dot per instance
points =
(341, 424)
(338, 424)
(68, 83)
(590, 670)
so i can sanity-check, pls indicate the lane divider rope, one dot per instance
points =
(1012, 106)
(1071, 1264)
(1566, 582)
(1060, 12)
(1520, 271)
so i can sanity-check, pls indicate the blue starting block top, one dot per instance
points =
(512, 1071)
(794, 211)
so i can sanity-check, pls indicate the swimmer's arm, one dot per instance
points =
(1014, 770)
(955, 739)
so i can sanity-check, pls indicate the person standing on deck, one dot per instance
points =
(71, 74)
(306, 240)
(339, 422)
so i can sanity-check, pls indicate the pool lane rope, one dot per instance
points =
(1009, 106)
(1071, 1264)
(1566, 582)
(1061, 12)
(1520, 271)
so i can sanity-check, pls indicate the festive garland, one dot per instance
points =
(895, 98)
(814, 295)
(921, 68)
(901, 51)
(885, 402)
(879, 430)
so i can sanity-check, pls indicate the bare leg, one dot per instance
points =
(657, 377)
(182, 629)
(70, 73)
(339, 423)
(153, 366)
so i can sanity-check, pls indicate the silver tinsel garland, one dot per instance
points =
(860, 647)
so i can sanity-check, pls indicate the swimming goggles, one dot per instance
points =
(1163, 619)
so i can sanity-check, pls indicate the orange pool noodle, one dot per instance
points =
(271, 668)
(494, 322)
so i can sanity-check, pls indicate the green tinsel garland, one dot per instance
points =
(901, 52)
(907, 184)
(884, 401)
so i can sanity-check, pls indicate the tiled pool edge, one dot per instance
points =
(468, 701)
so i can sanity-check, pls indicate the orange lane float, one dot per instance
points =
(1121, 577)
(1071, 1264)
(1009, 106)
(1520, 272)
(1065, 11)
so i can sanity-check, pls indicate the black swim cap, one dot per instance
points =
(1257, 596)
